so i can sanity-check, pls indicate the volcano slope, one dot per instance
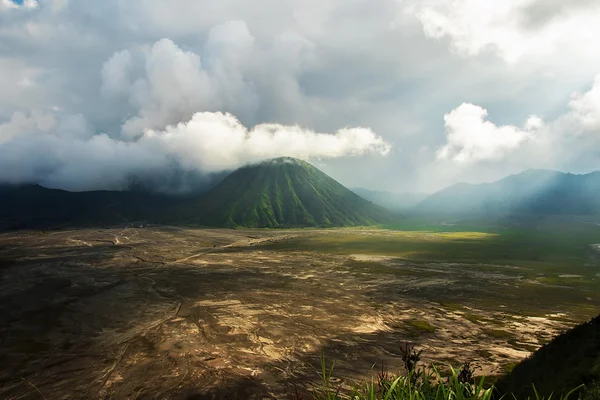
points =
(283, 192)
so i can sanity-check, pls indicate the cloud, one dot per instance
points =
(54, 150)
(164, 84)
(116, 79)
(538, 13)
(21, 123)
(124, 68)
(61, 151)
(585, 108)
(6, 5)
(157, 103)
(174, 85)
(471, 138)
(215, 141)
(38, 124)
(513, 29)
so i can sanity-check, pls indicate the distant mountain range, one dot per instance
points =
(392, 201)
(286, 192)
(33, 206)
(541, 192)
(282, 192)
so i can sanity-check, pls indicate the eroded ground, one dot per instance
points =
(161, 312)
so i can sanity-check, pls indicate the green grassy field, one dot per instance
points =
(552, 258)
(565, 250)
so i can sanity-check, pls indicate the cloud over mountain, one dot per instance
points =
(121, 86)
(57, 152)
(174, 100)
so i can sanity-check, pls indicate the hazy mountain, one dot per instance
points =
(276, 193)
(390, 200)
(530, 192)
(175, 181)
(284, 192)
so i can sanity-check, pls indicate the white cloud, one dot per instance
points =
(174, 86)
(585, 108)
(8, 5)
(534, 123)
(60, 151)
(513, 29)
(215, 141)
(165, 84)
(471, 138)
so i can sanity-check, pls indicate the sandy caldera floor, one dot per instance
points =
(162, 312)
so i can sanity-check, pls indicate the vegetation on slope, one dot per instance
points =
(420, 382)
(283, 192)
(33, 206)
(571, 359)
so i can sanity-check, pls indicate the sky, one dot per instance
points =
(395, 95)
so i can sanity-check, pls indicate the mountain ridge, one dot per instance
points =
(535, 191)
(282, 192)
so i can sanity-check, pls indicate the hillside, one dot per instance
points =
(569, 360)
(531, 192)
(33, 206)
(277, 193)
(390, 200)
(283, 192)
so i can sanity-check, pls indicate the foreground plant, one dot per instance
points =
(418, 383)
